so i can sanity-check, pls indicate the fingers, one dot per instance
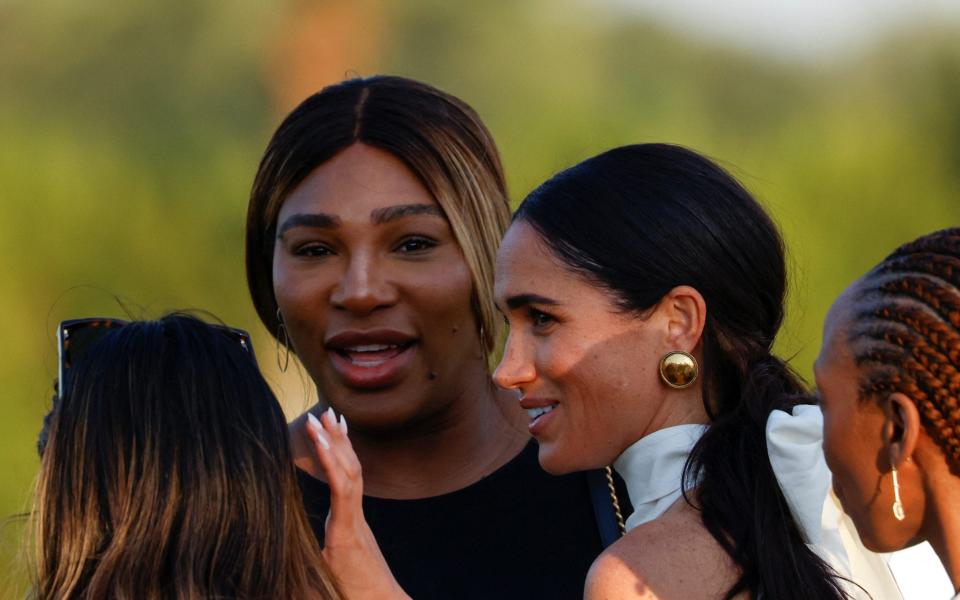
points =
(342, 469)
(331, 434)
(350, 548)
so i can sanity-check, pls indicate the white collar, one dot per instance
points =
(652, 468)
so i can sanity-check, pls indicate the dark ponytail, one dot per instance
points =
(641, 220)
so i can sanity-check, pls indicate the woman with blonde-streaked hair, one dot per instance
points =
(372, 230)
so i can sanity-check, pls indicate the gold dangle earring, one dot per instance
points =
(679, 369)
(282, 334)
(897, 504)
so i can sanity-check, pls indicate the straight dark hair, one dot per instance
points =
(167, 473)
(640, 220)
(436, 135)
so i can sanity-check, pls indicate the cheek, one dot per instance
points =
(609, 399)
(301, 295)
(832, 443)
(844, 456)
(441, 305)
(295, 286)
(626, 385)
(443, 299)
(447, 289)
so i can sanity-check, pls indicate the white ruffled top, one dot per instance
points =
(652, 469)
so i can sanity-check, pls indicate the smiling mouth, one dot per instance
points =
(536, 413)
(371, 355)
(371, 360)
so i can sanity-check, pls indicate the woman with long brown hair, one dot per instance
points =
(888, 378)
(166, 472)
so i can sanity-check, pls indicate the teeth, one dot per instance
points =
(536, 412)
(368, 363)
(370, 348)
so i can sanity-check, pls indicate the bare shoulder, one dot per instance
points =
(673, 557)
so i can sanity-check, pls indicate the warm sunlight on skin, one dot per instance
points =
(574, 353)
(855, 434)
(375, 292)
(853, 443)
(670, 558)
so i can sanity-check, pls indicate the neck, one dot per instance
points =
(473, 436)
(679, 407)
(944, 519)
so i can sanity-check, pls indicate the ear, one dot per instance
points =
(685, 313)
(901, 427)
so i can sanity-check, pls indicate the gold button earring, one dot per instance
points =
(679, 369)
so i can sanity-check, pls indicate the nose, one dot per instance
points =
(364, 287)
(516, 369)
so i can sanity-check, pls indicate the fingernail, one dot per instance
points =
(323, 440)
(343, 424)
(331, 416)
(313, 421)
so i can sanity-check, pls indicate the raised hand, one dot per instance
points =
(350, 549)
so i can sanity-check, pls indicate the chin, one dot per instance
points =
(556, 463)
(871, 543)
(873, 540)
(379, 411)
(874, 544)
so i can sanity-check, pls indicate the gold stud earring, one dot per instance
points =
(679, 369)
(897, 504)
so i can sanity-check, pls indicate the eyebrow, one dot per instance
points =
(321, 220)
(390, 213)
(514, 302)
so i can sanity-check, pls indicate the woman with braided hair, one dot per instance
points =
(889, 384)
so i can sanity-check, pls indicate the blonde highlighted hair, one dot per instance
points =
(440, 139)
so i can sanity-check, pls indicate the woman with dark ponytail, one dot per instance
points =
(644, 288)
(889, 370)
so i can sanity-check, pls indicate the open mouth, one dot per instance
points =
(536, 413)
(371, 359)
(371, 355)
(540, 413)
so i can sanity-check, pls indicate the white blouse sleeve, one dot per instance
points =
(795, 448)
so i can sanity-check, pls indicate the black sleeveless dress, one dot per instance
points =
(517, 533)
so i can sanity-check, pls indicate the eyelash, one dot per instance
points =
(540, 319)
(313, 250)
(424, 244)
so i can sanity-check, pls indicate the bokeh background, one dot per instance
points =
(130, 133)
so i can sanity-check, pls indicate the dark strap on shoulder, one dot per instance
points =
(603, 507)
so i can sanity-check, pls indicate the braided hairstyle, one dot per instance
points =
(906, 333)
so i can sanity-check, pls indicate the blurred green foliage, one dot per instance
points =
(130, 133)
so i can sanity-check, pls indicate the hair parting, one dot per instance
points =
(439, 138)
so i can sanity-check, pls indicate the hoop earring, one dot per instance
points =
(679, 369)
(282, 334)
(897, 504)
